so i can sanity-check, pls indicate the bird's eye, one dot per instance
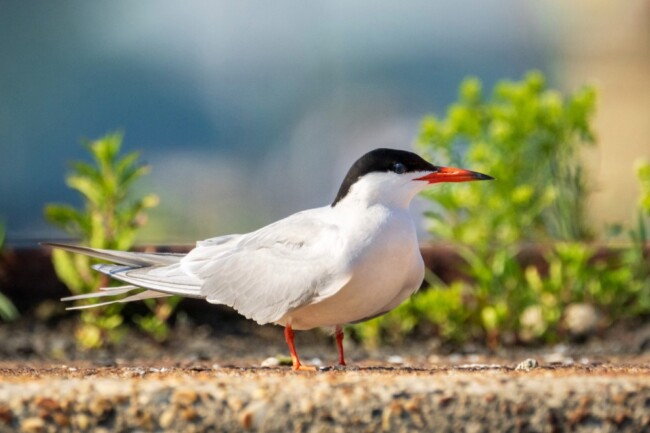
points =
(399, 168)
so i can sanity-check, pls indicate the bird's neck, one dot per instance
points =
(368, 192)
(361, 203)
(361, 196)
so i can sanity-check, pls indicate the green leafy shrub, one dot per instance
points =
(7, 310)
(636, 258)
(109, 219)
(528, 137)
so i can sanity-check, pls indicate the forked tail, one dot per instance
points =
(159, 273)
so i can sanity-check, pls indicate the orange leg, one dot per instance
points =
(339, 343)
(288, 335)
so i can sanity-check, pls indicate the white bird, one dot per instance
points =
(347, 262)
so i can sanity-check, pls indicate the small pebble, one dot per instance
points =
(167, 418)
(395, 359)
(6, 414)
(271, 362)
(60, 419)
(527, 365)
(246, 420)
(46, 404)
(82, 421)
(188, 414)
(184, 396)
(32, 425)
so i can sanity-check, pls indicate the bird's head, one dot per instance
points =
(395, 176)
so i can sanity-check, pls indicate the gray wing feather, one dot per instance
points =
(121, 257)
(169, 279)
(267, 273)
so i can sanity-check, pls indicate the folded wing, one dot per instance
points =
(267, 273)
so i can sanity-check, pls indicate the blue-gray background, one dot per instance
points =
(247, 111)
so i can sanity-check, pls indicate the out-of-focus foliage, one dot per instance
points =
(637, 258)
(155, 323)
(109, 219)
(643, 173)
(525, 135)
(7, 309)
(528, 137)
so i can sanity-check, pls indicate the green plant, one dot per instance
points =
(109, 219)
(155, 323)
(639, 235)
(7, 310)
(527, 137)
(636, 258)
(643, 174)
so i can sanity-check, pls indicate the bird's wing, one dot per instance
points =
(265, 274)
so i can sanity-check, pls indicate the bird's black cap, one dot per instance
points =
(382, 160)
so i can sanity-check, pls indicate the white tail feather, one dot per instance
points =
(121, 257)
(147, 294)
(168, 279)
(159, 273)
(105, 291)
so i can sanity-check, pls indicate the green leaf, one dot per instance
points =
(91, 191)
(7, 310)
(132, 174)
(67, 271)
(65, 217)
(84, 169)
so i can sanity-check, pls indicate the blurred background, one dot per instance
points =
(250, 111)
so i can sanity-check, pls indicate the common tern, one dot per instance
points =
(347, 262)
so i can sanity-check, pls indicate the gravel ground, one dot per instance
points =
(211, 379)
(475, 397)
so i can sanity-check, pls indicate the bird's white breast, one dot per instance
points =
(384, 266)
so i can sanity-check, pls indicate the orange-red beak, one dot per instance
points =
(451, 174)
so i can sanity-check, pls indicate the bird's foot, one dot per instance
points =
(298, 366)
(301, 367)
